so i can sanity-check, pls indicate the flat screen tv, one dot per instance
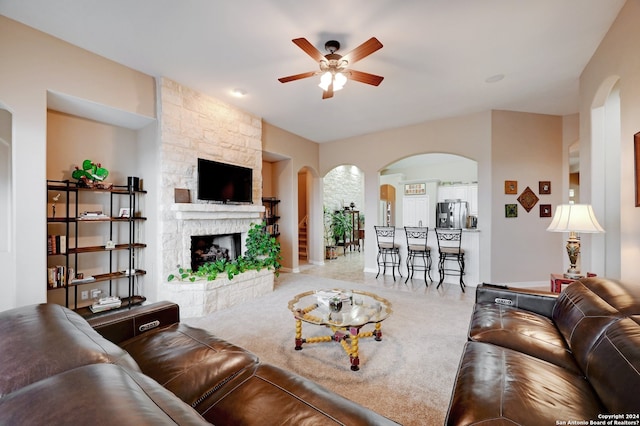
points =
(224, 183)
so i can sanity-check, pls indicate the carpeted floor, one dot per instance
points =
(408, 376)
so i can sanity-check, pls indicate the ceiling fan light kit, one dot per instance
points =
(338, 80)
(334, 71)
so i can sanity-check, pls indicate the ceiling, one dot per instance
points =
(436, 59)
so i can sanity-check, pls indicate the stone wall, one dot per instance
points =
(343, 185)
(194, 126)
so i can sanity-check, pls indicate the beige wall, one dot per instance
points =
(35, 64)
(468, 136)
(526, 148)
(297, 154)
(71, 140)
(615, 63)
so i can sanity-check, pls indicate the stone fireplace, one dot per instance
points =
(226, 223)
(195, 126)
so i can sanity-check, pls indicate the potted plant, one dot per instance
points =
(262, 247)
(331, 251)
(91, 174)
(342, 226)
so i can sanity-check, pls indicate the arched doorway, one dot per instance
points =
(421, 181)
(343, 207)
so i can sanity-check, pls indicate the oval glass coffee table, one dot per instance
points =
(345, 312)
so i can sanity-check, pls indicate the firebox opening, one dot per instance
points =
(209, 248)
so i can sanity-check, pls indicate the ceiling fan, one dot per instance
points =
(334, 69)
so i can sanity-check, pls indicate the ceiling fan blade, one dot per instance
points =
(309, 49)
(362, 51)
(365, 77)
(328, 93)
(296, 77)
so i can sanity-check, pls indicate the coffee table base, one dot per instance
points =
(348, 338)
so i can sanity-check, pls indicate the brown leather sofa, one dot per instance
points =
(537, 358)
(143, 367)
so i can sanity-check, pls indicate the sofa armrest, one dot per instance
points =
(118, 326)
(540, 302)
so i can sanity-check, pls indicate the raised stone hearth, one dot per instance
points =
(200, 298)
(203, 297)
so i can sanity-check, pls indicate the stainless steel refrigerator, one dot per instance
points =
(451, 214)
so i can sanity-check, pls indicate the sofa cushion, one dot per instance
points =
(497, 385)
(54, 339)
(613, 366)
(521, 330)
(299, 402)
(97, 394)
(195, 365)
(587, 307)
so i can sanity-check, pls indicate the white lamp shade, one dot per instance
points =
(575, 218)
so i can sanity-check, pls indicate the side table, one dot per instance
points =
(558, 279)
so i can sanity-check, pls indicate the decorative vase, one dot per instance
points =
(335, 305)
(331, 252)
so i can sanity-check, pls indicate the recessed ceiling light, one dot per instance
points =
(239, 93)
(494, 78)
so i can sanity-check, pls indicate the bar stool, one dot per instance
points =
(449, 249)
(388, 250)
(417, 248)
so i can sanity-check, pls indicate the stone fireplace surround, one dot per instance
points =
(203, 297)
(192, 126)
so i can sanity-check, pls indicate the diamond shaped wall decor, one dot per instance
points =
(528, 199)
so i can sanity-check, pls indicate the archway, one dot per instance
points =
(343, 197)
(430, 178)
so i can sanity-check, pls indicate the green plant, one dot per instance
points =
(328, 228)
(342, 225)
(262, 247)
(263, 251)
(90, 172)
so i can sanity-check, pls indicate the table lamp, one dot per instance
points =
(574, 218)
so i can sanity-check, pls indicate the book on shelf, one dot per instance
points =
(56, 244)
(106, 303)
(82, 280)
(94, 215)
(59, 276)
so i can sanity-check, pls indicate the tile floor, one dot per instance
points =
(350, 266)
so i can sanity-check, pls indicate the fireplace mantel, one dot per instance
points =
(201, 211)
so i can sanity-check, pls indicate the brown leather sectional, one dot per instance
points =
(143, 367)
(536, 358)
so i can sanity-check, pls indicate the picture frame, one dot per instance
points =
(636, 156)
(510, 186)
(545, 210)
(182, 195)
(528, 199)
(544, 187)
(125, 212)
(415, 188)
(510, 210)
